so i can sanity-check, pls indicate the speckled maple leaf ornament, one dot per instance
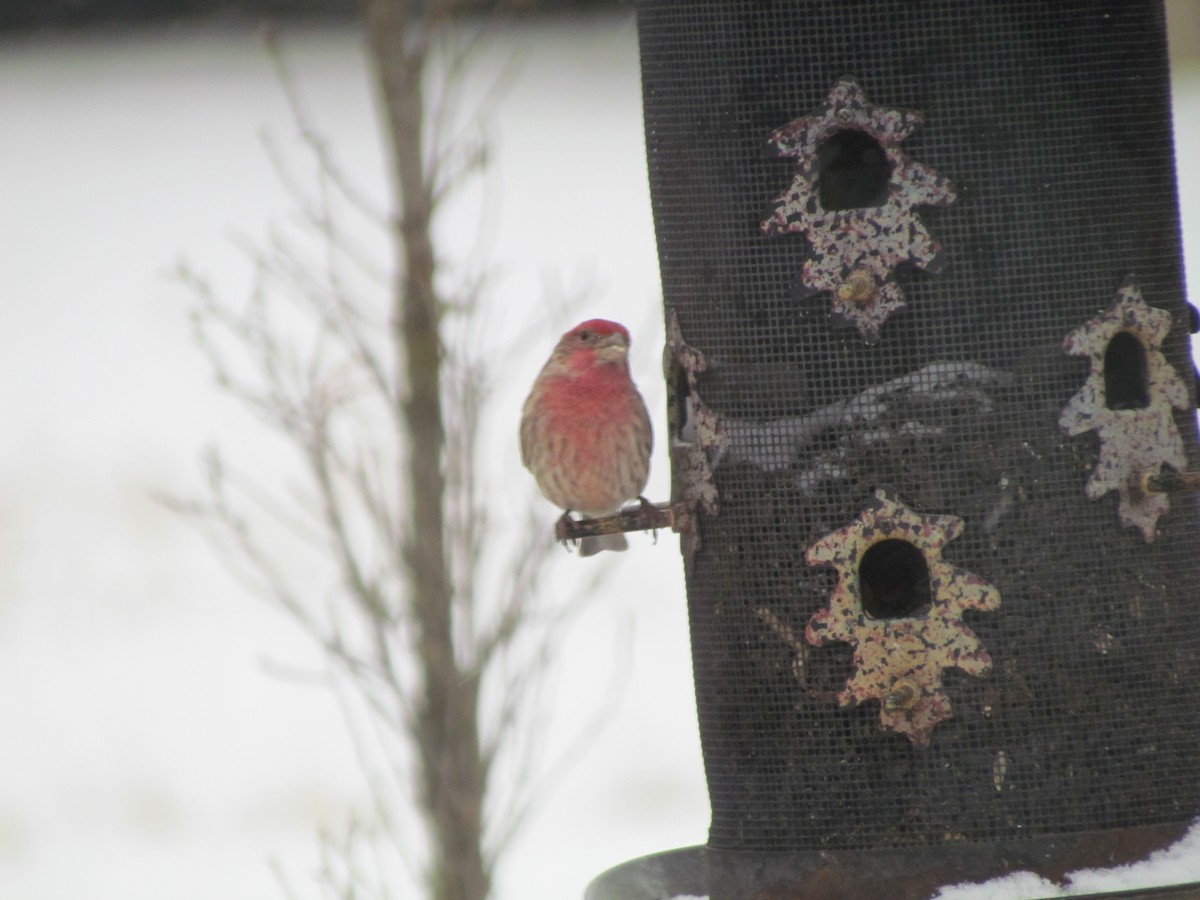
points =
(856, 249)
(1133, 441)
(899, 661)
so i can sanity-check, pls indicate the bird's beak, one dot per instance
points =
(612, 347)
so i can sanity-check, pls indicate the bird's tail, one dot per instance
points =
(590, 546)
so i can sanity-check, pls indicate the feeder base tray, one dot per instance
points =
(916, 873)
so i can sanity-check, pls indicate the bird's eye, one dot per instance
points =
(585, 336)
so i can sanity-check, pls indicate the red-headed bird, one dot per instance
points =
(585, 432)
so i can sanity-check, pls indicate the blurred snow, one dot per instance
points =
(149, 752)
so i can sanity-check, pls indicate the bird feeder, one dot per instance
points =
(932, 425)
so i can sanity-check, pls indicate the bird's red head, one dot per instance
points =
(596, 342)
(596, 329)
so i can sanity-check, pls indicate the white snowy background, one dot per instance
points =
(148, 746)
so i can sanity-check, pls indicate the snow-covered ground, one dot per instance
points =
(148, 750)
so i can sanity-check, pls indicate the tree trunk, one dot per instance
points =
(447, 729)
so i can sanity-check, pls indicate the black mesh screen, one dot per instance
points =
(1050, 124)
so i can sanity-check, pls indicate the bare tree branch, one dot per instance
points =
(377, 376)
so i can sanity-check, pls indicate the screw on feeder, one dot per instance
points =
(904, 695)
(858, 288)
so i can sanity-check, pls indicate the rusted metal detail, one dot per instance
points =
(856, 250)
(697, 438)
(645, 517)
(1170, 482)
(899, 661)
(1133, 442)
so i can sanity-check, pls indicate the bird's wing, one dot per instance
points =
(527, 435)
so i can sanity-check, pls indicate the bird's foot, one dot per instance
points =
(648, 508)
(563, 531)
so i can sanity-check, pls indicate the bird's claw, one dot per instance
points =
(648, 508)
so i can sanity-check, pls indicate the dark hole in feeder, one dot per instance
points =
(680, 411)
(893, 580)
(1125, 377)
(685, 427)
(852, 171)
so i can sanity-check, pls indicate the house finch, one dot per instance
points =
(585, 432)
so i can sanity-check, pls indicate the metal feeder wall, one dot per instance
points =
(939, 629)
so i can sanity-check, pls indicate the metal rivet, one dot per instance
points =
(859, 287)
(903, 695)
